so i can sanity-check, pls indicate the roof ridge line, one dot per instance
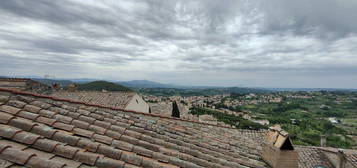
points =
(107, 107)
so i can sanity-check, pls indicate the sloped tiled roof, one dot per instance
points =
(112, 99)
(310, 156)
(41, 131)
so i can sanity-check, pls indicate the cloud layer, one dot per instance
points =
(275, 43)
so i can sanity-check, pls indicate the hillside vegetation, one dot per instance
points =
(102, 85)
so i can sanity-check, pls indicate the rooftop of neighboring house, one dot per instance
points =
(116, 99)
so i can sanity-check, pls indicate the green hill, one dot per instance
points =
(100, 85)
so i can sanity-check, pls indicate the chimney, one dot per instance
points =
(278, 150)
(323, 141)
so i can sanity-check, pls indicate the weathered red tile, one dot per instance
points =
(23, 124)
(32, 108)
(43, 130)
(65, 138)
(63, 126)
(5, 117)
(102, 124)
(142, 151)
(88, 145)
(104, 139)
(64, 119)
(65, 151)
(109, 152)
(47, 113)
(129, 139)
(38, 162)
(83, 112)
(118, 129)
(109, 163)
(97, 116)
(41, 104)
(16, 156)
(83, 132)
(96, 129)
(113, 134)
(16, 103)
(27, 115)
(9, 109)
(123, 145)
(131, 158)
(89, 120)
(86, 157)
(25, 137)
(45, 120)
(45, 145)
(7, 131)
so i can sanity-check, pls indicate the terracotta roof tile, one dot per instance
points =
(5, 117)
(83, 132)
(45, 145)
(39, 162)
(113, 134)
(64, 119)
(25, 137)
(83, 112)
(28, 115)
(109, 163)
(32, 108)
(109, 152)
(122, 145)
(16, 103)
(69, 162)
(131, 158)
(43, 130)
(59, 110)
(80, 124)
(102, 124)
(9, 109)
(86, 157)
(65, 151)
(41, 104)
(65, 137)
(120, 130)
(103, 139)
(96, 116)
(24, 98)
(63, 126)
(142, 151)
(47, 113)
(89, 120)
(96, 129)
(88, 145)
(16, 155)
(45, 120)
(129, 139)
(39, 153)
(74, 115)
(23, 124)
(13, 144)
(8, 132)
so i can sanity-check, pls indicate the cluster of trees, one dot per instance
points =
(102, 85)
(230, 119)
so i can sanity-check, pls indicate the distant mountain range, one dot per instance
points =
(151, 84)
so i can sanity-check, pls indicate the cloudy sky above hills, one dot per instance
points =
(267, 43)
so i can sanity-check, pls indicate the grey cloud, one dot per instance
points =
(189, 36)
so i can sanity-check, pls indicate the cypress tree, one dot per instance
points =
(175, 110)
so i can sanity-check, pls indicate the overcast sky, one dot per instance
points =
(266, 43)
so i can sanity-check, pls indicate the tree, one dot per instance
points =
(175, 110)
